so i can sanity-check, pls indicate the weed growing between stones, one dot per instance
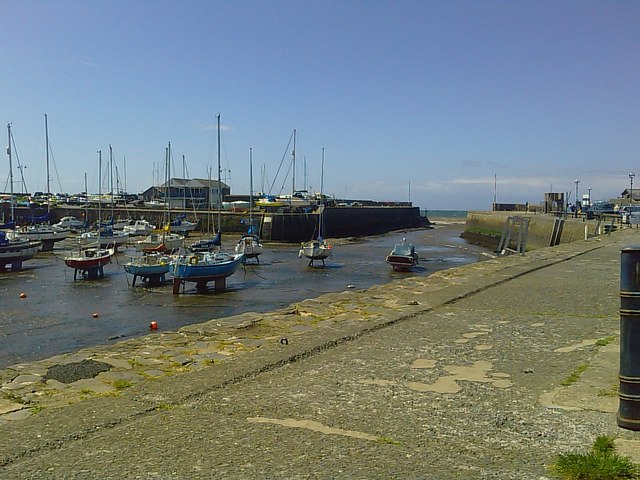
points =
(601, 463)
(120, 384)
(605, 341)
(611, 392)
(573, 378)
(388, 441)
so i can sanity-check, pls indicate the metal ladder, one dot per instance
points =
(513, 226)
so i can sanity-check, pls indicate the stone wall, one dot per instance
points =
(486, 228)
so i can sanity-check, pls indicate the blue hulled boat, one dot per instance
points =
(203, 267)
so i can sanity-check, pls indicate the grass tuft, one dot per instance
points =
(601, 463)
(573, 378)
(605, 341)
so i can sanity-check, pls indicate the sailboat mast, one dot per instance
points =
(86, 202)
(321, 196)
(219, 187)
(167, 179)
(111, 179)
(322, 176)
(293, 155)
(46, 136)
(10, 171)
(184, 189)
(250, 190)
(99, 187)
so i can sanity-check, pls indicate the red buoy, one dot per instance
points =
(153, 326)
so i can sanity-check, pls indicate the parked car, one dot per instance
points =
(628, 212)
(601, 207)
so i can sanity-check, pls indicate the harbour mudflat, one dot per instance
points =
(59, 315)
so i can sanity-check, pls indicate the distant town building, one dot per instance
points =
(185, 193)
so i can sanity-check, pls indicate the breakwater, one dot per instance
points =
(485, 228)
(339, 222)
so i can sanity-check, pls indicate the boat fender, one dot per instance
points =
(193, 261)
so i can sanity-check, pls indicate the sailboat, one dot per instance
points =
(105, 235)
(91, 256)
(45, 233)
(150, 267)
(13, 251)
(203, 267)
(214, 243)
(250, 243)
(181, 225)
(154, 263)
(318, 248)
(163, 240)
(89, 261)
(298, 200)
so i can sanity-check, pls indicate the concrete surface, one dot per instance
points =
(457, 375)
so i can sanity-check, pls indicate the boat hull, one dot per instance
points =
(149, 269)
(149, 265)
(165, 242)
(401, 263)
(201, 268)
(89, 262)
(190, 270)
(85, 263)
(17, 252)
(45, 234)
(183, 228)
(249, 245)
(104, 241)
(146, 270)
(315, 250)
(315, 253)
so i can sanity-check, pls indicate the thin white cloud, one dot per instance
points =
(214, 126)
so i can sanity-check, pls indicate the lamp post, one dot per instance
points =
(577, 182)
(631, 175)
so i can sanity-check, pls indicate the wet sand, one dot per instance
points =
(57, 315)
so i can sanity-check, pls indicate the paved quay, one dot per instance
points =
(457, 375)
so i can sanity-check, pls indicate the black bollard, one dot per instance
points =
(629, 376)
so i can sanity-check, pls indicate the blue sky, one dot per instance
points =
(445, 103)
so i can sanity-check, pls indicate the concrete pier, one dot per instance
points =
(484, 371)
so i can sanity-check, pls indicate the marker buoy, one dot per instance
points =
(23, 295)
(95, 315)
(153, 326)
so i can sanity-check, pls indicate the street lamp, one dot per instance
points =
(631, 175)
(577, 182)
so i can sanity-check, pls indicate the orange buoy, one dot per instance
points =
(23, 295)
(95, 315)
(153, 326)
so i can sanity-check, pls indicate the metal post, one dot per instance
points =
(629, 376)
